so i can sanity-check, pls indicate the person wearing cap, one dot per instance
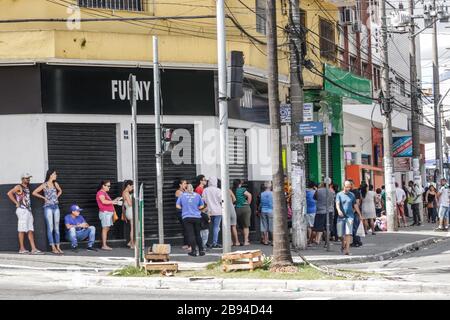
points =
(78, 229)
(20, 196)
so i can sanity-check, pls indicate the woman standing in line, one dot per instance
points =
(190, 203)
(369, 198)
(266, 209)
(106, 210)
(243, 211)
(233, 217)
(128, 188)
(181, 185)
(52, 192)
(430, 197)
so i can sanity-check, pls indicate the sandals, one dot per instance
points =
(24, 252)
(37, 252)
(106, 248)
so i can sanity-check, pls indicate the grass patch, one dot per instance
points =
(214, 270)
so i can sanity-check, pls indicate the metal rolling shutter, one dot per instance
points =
(307, 173)
(84, 155)
(237, 154)
(322, 157)
(147, 173)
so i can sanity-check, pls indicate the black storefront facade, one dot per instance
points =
(84, 114)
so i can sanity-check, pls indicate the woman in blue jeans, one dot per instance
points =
(51, 193)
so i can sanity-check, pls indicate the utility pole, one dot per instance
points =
(415, 110)
(387, 127)
(437, 104)
(159, 155)
(223, 125)
(299, 226)
(137, 229)
(281, 245)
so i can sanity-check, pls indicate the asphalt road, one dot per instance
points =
(430, 264)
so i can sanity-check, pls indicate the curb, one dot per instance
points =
(217, 284)
(411, 247)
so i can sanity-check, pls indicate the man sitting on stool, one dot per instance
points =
(78, 229)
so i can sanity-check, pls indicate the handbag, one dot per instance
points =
(115, 216)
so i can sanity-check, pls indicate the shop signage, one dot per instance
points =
(402, 146)
(311, 128)
(308, 115)
(402, 164)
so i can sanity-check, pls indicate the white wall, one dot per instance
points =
(357, 132)
(24, 144)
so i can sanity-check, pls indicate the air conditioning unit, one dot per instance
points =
(347, 16)
(357, 27)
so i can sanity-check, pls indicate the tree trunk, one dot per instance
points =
(281, 246)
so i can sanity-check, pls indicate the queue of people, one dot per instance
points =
(76, 227)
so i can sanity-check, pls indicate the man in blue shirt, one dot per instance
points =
(346, 207)
(78, 229)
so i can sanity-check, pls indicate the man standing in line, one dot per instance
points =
(346, 207)
(20, 196)
(416, 201)
(357, 216)
(443, 205)
(400, 197)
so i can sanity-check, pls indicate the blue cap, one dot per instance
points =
(74, 207)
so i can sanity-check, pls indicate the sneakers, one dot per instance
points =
(216, 246)
(192, 254)
(201, 253)
(91, 249)
(74, 249)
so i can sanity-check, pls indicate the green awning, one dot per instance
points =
(346, 84)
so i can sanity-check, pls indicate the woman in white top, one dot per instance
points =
(368, 206)
(128, 208)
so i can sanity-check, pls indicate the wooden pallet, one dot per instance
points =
(242, 260)
(161, 266)
(153, 257)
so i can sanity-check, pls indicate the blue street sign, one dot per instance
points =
(311, 128)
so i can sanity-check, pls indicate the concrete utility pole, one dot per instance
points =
(159, 166)
(299, 226)
(281, 245)
(223, 124)
(387, 127)
(415, 110)
(437, 104)
(137, 230)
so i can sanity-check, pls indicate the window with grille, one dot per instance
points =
(376, 78)
(129, 5)
(327, 40)
(260, 16)
(401, 87)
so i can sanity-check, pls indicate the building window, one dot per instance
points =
(365, 70)
(247, 99)
(401, 87)
(129, 5)
(376, 78)
(327, 40)
(353, 65)
(260, 16)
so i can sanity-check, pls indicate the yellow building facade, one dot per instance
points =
(189, 42)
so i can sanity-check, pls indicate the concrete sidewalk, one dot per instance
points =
(382, 246)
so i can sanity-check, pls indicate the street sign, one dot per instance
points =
(311, 128)
(308, 115)
(308, 139)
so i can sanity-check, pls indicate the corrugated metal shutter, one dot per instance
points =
(323, 154)
(237, 154)
(307, 173)
(84, 155)
(147, 172)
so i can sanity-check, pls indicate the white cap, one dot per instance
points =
(26, 175)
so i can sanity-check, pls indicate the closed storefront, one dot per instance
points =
(172, 171)
(84, 155)
(237, 154)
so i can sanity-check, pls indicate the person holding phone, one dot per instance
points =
(106, 210)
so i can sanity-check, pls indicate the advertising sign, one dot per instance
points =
(402, 164)
(402, 146)
(311, 128)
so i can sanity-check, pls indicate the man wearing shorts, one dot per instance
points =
(400, 197)
(346, 206)
(443, 205)
(20, 196)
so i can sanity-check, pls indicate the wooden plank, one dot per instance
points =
(246, 266)
(154, 257)
(160, 249)
(161, 266)
(242, 255)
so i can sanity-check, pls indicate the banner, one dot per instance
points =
(402, 146)
(402, 164)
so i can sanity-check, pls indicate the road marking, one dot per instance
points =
(316, 298)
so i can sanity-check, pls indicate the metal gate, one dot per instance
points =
(83, 155)
(172, 171)
(323, 155)
(237, 154)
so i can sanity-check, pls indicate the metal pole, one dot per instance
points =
(299, 226)
(223, 125)
(327, 182)
(387, 127)
(437, 104)
(159, 167)
(137, 231)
